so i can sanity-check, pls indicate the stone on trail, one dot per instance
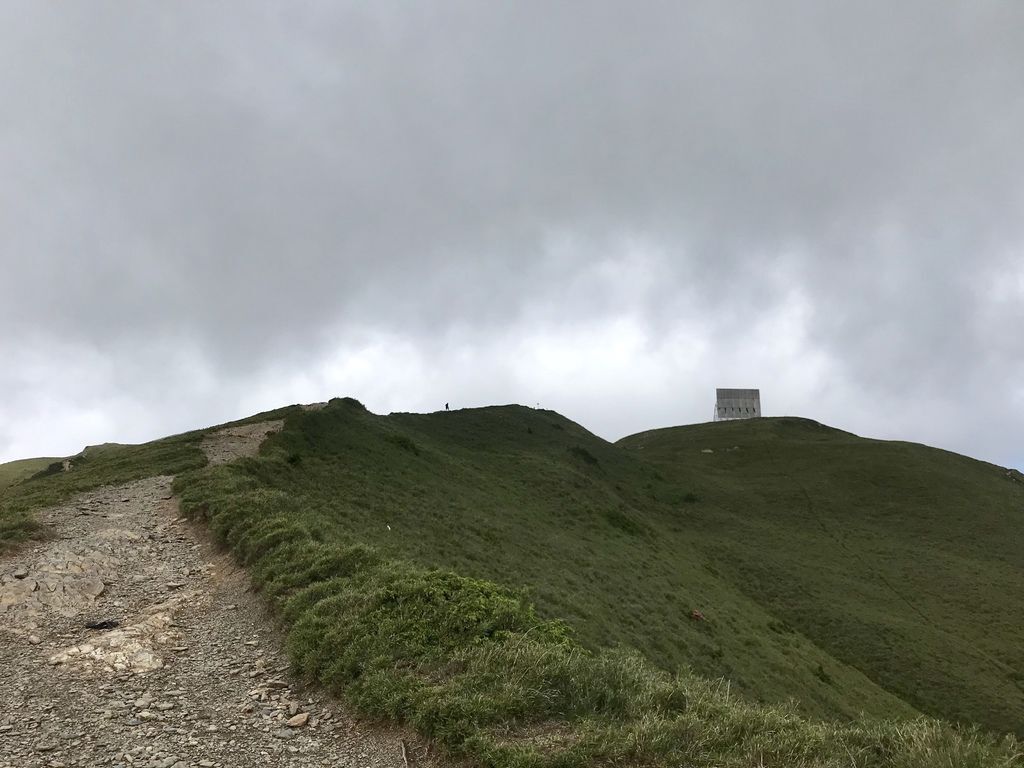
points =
(299, 720)
(92, 587)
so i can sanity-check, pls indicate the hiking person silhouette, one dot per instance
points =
(446, 406)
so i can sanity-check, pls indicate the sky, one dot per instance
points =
(608, 209)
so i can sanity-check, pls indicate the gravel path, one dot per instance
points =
(183, 668)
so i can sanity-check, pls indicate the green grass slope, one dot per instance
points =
(345, 518)
(903, 561)
(528, 499)
(13, 472)
(17, 526)
(521, 591)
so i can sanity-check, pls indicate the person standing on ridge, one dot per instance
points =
(446, 406)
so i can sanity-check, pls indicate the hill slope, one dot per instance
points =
(345, 518)
(527, 498)
(13, 472)
(883, 612)
(903, 561)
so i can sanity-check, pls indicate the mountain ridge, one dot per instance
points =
(704, 547)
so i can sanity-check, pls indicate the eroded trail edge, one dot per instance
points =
(128, 640)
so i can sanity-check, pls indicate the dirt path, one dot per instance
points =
(191, 676)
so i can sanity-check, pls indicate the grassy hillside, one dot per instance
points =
(850, 575)
(528, 499)
(485, 574)
(903, 561)
(346, 516)
(13, 472)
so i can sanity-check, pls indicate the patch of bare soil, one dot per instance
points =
(128, 640)
(233, 443)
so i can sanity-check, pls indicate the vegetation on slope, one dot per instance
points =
(13, 472)
(903, 561)
(528, 499)
(394, 549)
(470, 662)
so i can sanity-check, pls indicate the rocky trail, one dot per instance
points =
(128, 640)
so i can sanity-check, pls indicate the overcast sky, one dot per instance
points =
(213, 208)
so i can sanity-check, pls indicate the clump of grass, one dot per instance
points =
(620, 519)
(584, 455)
(16, 527)
(403, 442)
(822, 674)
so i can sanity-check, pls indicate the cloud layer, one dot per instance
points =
(606, 208)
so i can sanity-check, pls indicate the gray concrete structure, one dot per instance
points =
(737, 404)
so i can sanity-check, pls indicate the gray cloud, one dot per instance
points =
(605, 207)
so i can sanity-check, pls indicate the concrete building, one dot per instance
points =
(737, 404)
